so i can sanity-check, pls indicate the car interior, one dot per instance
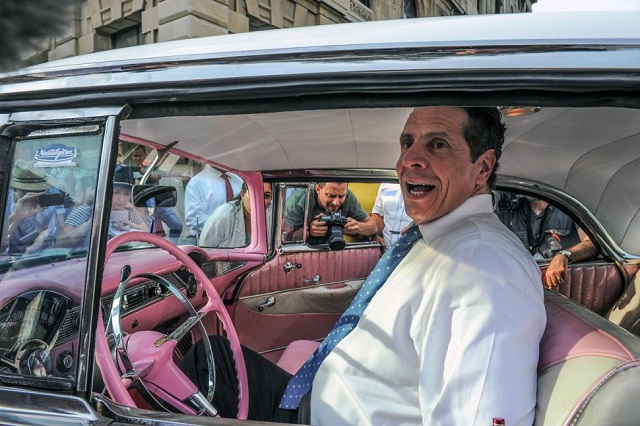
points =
(280, 295)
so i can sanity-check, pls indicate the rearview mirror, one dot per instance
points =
(154, 196)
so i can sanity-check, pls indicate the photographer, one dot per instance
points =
(542, 228)
(328, 198)
(546, 232)
(32, 215)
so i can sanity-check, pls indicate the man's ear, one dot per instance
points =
(486, 163)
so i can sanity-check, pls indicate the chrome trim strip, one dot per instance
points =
(95, 257)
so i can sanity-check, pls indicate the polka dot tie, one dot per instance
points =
(300, 384)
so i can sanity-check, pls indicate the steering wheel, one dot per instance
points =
(144, 359)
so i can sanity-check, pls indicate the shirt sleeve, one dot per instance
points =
(136, 218)
(77, 217)
(377, 205)
(218, 228)
(294, 216)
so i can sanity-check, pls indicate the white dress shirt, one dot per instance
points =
(389, 205)
(452, 337)
(225, 227)
(204, 193)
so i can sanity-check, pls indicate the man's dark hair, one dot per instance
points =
(483, 131)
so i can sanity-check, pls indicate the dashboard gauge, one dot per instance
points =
(35, 315)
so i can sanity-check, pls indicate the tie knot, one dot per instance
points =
(412, 235)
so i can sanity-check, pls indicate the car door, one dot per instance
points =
(302, 289)
(54, 291)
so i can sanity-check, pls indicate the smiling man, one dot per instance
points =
(452, 336)
(446, 328)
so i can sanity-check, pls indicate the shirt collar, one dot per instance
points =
(472, 206)
(213, 172)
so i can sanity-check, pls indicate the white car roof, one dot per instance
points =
(484, 30)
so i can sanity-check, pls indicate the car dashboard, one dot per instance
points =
(40, 319)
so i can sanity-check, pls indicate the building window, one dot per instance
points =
(126, 38)
(410, 9)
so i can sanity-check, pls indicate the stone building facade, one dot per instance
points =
(108, 24)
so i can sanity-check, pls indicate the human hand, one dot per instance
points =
(557, 271)
(352, 227)
(27, 206)
(318, 228)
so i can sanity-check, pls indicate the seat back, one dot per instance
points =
(589, 368)
(596, 285)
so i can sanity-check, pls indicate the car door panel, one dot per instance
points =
(300, 308)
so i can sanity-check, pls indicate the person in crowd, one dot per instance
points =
(123, 217)
(138, 156)
(31, 215)
(389, 215)
(543, 229)
(447, 327)
(547, 232)
(204, 193)
(163, 216)
(328, 197)
(155, 216)
(230, 224)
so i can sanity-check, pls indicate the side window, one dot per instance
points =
(212, 208)
(329, 213)
(543, 228)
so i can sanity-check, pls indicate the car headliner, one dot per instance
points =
(591, 153)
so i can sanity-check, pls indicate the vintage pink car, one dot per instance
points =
(101, 296)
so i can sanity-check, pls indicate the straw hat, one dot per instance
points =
(26, 180)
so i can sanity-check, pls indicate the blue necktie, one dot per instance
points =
(300, 384)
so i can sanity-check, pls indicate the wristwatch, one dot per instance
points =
(568, 254)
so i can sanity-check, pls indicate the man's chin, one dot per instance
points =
(419, 215)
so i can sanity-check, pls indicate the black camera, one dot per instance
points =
(508, 202)
(47, 199)
(335, 221)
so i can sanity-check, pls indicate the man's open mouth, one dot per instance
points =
(418, 188)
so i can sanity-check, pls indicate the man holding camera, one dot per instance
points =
(332, 205)
(31, 211)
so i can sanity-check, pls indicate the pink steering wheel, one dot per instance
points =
(147, 356)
